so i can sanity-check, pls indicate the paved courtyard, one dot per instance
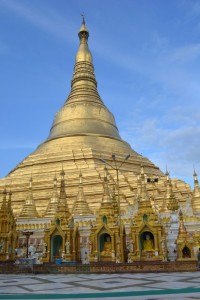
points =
(150, 286)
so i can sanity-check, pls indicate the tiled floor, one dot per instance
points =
(149, 286)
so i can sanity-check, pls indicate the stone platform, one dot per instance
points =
(119, 286)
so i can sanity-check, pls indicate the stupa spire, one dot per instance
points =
(114, 200)
(167, 174)
(10, 200)
(62, 209)
(106, 195)
(81, 206)
(4, 204)
(83, 20)
(52, 206)
(170, 202)
(142, 190)
(107, 208)
(182, 228)
(196, 193)
(83, 32)
(29, 208)
(196, 182)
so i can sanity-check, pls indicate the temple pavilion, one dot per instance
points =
(85, 195)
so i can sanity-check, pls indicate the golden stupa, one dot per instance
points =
(85, 189)
(83, 131)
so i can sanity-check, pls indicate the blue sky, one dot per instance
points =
(146, 55)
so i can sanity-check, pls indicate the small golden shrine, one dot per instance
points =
(147, 233)
(185, 243)
(60, 240)
(107, 239)
(8, 233)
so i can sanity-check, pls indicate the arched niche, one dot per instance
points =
(147, 241)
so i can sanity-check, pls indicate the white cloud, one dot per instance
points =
(195, 8)
(46, 19)
(178, 148)
(185, 53)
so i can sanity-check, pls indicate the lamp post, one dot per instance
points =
(116, 167)
(27, 234)
(153, 181)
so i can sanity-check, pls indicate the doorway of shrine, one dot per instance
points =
(105, 247)
(56, 247)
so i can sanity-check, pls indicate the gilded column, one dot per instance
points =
(156, 241)
(113, 247)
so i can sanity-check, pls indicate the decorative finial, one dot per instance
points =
(83, 32)
(167, 173)
(82, 15)
(194, 174)
(196, 182)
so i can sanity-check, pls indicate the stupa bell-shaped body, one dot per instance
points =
(83, 131)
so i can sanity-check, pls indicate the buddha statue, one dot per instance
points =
(148, 244)
(107, 247)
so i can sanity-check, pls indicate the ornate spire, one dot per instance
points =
(29, 199)
(142, 191)
(62, 186)
(52, 206)
(196, 182)
(81, 206)
(139, 189)
(167, 174)
(106, 194)
(171, 202)
(182, 228)
(29, 208)
(62, 209)
(10, 202)
(4, 204)
(83, 53)
(107, 211)
(114, 200)
(196, 194)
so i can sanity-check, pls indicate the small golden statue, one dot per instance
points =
(148, 244)
(107, 247)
